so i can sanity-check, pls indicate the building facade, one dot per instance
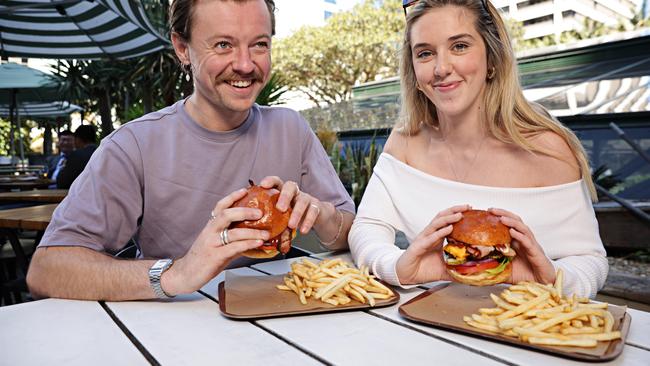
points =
(542, 18)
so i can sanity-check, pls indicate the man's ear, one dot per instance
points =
(180, 48)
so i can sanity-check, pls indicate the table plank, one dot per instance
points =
(63, 332)
(36, 195)
(13, 184)
(211, 287)
(358, 338)
(639, 329)
(30, 218)
(330, 336)
(189, 330)
(40, 220)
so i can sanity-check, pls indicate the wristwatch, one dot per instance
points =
(155, 273)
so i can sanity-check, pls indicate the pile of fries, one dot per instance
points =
(334, 282)
(540, 314)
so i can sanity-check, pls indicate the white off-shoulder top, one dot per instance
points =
(400, 197)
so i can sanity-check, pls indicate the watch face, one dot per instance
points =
(160, 264)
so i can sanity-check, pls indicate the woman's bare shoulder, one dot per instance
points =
(396, 144)
(560, 165)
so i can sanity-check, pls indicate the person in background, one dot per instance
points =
(467, 136)
(85, 142)
(65, 146)
(168, 179)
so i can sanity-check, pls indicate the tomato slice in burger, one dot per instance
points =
(471, 267)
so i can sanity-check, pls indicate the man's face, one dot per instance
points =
(66, 144)
(230, 53)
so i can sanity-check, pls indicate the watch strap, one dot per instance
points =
(155, 275)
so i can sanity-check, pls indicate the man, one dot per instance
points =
(85, 142)
(65, 146)
(168, 180)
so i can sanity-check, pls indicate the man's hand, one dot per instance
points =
(209, 255)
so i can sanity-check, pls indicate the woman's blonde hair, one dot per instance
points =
(511, 118)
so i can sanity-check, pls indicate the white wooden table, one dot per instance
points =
(189, 330)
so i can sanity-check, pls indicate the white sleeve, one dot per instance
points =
(584, 275)
(372, 236)
(578, 249)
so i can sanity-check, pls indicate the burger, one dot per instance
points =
(273, 220)
(478, 250)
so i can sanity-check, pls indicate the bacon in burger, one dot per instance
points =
(478, 250)
(273, 220)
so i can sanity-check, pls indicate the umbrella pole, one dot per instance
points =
(20, 139)
(12, 121)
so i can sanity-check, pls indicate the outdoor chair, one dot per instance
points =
(13, 269)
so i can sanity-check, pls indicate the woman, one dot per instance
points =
(468, 137)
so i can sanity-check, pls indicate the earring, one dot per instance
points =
(491, 72)
(186, 68)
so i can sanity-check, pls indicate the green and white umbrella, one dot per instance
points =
(20, 86)
(42, 110)
(76, 29)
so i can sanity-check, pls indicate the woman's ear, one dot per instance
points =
(491, 72)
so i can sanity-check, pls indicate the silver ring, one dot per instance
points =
(315, 206)
(212, 216)
(224, 237)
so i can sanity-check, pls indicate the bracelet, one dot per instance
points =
(337, 234)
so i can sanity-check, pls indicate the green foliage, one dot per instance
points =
(353, 47)
(345, 116)
(354, 165)
(272, 92)
(602, 176)
(642, 255)
(629, 182)
(5, 138)
(515, 30)
(361, 163)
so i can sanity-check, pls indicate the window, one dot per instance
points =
(331, 2)
(546, 18)
(328, 14)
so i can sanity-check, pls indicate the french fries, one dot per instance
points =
(542, 314)
(334, 282)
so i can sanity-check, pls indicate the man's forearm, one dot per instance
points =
(84, 274)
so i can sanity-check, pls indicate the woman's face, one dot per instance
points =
(449, 59)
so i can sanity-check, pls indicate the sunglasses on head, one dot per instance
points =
(406, 4)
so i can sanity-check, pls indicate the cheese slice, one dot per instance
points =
(459, 252)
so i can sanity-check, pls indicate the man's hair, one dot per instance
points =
(509, 116)
(86, 133)
(65, 133)
(180, 16)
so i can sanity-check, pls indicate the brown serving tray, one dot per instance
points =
(256, 297)
(445, 305)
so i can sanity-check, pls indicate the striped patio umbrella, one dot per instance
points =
(42, 110)
(76, 29)
(22, 86)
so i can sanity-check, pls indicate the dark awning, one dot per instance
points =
(76, 29)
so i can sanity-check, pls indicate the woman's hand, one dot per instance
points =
(422, 261)
(530, 263)
(209, 254)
